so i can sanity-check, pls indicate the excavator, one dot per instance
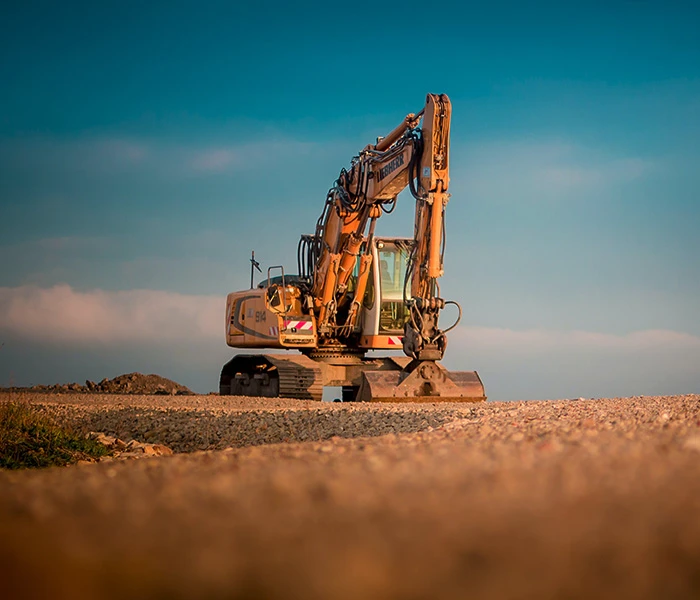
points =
(356, 292)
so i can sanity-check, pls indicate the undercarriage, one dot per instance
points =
(375, 379)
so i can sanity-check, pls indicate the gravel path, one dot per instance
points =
(585, 499)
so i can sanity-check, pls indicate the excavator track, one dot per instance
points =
(271, 376)
(299, 377)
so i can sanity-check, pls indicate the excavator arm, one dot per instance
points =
(409, 156)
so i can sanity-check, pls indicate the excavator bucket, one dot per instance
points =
(425, 381)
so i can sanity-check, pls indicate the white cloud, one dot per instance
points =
(83, 155)
(122, 150)
(64, 244)
(539, 340)
(148, 329)
(62, 314)
(545, 169)
(251, 155)
(539, 364)
(216, 159)
(108, 155)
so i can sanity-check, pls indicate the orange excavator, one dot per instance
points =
(355, 291)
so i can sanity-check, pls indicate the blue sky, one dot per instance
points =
(147, 150)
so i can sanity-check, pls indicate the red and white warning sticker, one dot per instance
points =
(274, 331)
(299, 325)
(395, 340)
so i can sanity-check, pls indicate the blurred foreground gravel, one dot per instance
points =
(556, 499)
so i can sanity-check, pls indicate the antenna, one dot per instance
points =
(254, 264)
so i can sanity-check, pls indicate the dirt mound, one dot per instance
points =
(136, 383)
(129, 383)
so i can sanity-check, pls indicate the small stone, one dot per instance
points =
(134, 446)
(131, 455)
(102, 438)
(119, 444)
(156, 450)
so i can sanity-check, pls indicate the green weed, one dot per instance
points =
(31, 439)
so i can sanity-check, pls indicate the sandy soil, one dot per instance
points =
(568, 499)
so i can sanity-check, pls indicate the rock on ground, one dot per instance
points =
(121, 449)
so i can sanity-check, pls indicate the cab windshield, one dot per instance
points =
(393, 259)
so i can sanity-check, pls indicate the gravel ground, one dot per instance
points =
(566, 499)
(189, 423)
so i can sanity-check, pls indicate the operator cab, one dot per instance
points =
(384, 310)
